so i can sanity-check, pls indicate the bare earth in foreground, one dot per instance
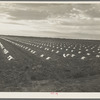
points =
(49, 65)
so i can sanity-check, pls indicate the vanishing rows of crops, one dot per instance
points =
(58, 50)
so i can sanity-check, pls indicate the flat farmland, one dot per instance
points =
(34, 64)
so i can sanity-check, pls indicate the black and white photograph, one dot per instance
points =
(49, 47)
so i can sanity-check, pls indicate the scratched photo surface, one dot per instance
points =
(49, 47)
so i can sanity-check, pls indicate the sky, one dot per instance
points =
(75, 21)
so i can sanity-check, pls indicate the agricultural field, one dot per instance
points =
(34, 64)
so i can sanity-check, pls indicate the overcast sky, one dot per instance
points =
(50, 20)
